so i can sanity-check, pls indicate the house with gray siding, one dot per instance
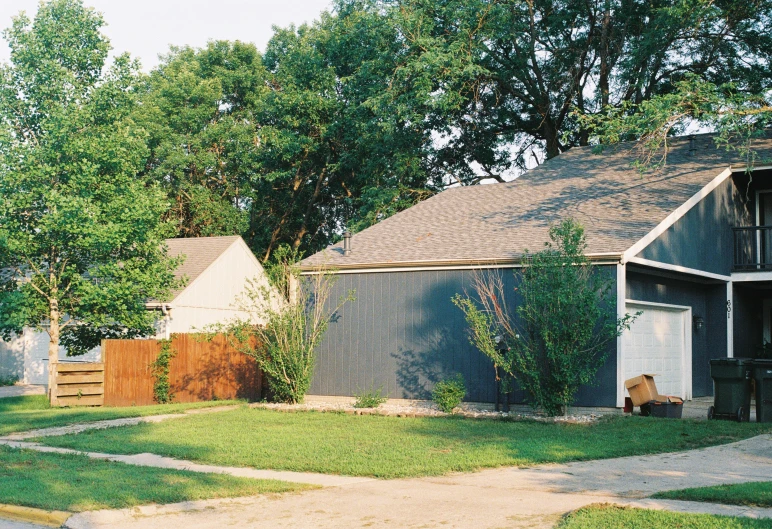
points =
(688, 245)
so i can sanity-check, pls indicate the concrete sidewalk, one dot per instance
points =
(509, 497)
(20, 390)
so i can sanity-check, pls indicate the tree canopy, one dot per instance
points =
(81, 237)
(379, 104)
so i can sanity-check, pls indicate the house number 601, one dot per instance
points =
(728, 308)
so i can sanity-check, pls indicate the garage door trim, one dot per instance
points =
(686, 359)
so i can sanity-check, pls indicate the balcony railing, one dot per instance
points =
(753, 248)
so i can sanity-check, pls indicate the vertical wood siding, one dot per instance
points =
(200, 370)
(214, 296)
(403, 334)
(703, 239)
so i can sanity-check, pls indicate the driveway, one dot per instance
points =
(508, 497)
(10, 524)
(21, 389)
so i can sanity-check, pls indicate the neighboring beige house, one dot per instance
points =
(217, 271)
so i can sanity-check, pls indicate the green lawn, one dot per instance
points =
(391, 447)
(68, 482)
(614, 517)
(19, 414)
(755, 494)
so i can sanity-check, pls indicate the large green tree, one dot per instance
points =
(199, 113)
(81, 241)
(737, 118)
(287, 147)
(330, 159)
(499, 80)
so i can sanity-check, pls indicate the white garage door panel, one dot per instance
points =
(655, 343)
(36, 357)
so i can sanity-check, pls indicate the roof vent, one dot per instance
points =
(692, 145)
(347, 243)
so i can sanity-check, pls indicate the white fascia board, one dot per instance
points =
(609, 258)
(729, 319)
(684, 208)
(744, 277)
(676, 215)
(621, 311)
(677, 268)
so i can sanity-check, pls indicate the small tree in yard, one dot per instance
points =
(296, 312)
(81, 243)
(563, 325)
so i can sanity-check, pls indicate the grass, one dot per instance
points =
(391, 447)
(19, 414)
(755, 494)
(614, 517)
(69, 482)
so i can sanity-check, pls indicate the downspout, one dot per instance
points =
(165, 310)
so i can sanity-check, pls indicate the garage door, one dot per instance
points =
(36, 357)
(657, 343)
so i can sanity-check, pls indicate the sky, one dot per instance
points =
(146, 28)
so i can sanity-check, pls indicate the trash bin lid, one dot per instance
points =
(731, 361)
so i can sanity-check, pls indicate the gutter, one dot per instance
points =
(450, 264)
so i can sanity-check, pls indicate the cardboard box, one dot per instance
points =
(642, 389)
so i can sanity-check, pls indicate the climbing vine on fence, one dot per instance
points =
(160, 369)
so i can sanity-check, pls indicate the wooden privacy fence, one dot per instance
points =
(200, 370)
(79, 384)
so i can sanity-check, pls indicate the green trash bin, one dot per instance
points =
(762, 374)
(731, 388)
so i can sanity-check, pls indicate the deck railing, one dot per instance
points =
(753, 248)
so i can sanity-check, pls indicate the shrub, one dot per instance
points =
(8, 380)
(296, 311)
(162, 388)
(371, 398)
(564, 322)
(448, 393)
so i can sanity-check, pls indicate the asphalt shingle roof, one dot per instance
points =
(199, 252)
(616, 204)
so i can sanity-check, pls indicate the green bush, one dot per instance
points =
(8, 380)
(162, 388)
(295, 312)
(371, 398)
(449, 393)
(564, 321)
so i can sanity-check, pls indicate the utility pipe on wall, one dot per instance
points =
(166, 311)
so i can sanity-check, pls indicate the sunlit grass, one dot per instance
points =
(19, 414)
(68, 482)
(755, 494)
(391, 447)
(615, 517)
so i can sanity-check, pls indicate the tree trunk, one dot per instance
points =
(605, 70)
(551, 138)
(53, 349)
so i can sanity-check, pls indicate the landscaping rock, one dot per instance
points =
(421, 410)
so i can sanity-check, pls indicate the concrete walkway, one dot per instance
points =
(20, 390)
(508, 497)
(111, 423)
(152, 460)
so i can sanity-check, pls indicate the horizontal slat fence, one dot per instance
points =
(200, 370)
(79, 384)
